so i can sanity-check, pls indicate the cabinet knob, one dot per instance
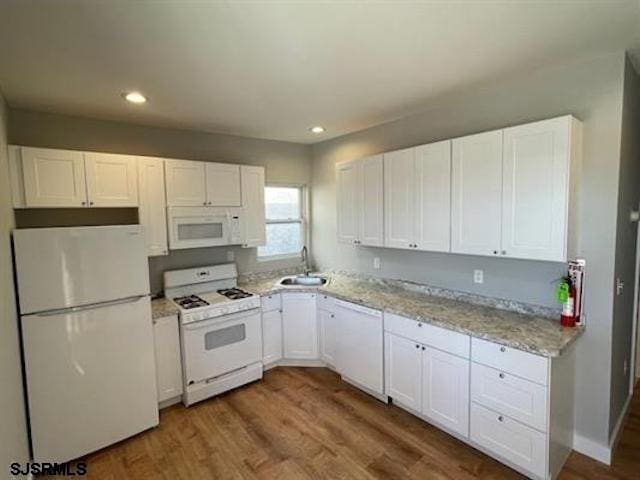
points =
(417, 346)
(90, 203)
(501, 375)
(495, 252)
(500, 418)
(503, 349)
(504, 252)
(84, 203)
(424, 348)
(419, 324)
(332, 315)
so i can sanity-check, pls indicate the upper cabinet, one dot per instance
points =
(192, 184)
(152, 211)
(254, 229)
(43, 177)
(186, 183)
(507, 193)
(536, 188)
(417, 197)
(360, 201)
(111, 180)
(476, 189)
(223, 185)
(53, 178)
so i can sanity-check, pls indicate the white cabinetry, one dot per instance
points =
(359, 355)
(299, 326)
(168, 360)
(536, 189)
(53, 178)
(359, 203)
(152, 210)
(111, 180)
(327, 330)
(476, 193)
(426, 371)
(223, 185)
(254, 229)
(271, 328)
(417, 197)
(186, 183)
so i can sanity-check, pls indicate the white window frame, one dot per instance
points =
(303, 220)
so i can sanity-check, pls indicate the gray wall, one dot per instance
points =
(13, 442)
(284, 162)
(626, 236)
(592, 91)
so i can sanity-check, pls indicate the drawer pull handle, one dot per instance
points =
(501, 375)
(503, 349)
(501, 418)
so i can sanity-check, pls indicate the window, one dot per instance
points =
(285, 222)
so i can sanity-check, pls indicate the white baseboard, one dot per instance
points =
(597, 451)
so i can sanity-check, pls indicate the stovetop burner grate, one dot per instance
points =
(234, 293)
(190, 301)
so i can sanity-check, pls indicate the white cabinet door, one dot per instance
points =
(371, 217)
(112, 180)
(359, 356)
(223, 185)
(299, 326)
(271, 336)
(186, 183)
(536, 190)
(153, 211)
(348, 201)
(327, 336)
(53, 178)
(253, 208)
(433, 197)
(403, 371)
(476, 193)
(168, 360)
(399, 184)
(445, 389)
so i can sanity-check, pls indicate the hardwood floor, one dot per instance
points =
(301, 423)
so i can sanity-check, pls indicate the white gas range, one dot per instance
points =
(220, 330)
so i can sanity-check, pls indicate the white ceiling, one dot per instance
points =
(273, 69)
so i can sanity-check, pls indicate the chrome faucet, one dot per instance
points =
(304, 254)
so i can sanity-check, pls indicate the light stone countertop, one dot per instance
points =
(162, 307)
(529, 332)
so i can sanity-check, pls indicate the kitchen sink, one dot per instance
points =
(303, 280)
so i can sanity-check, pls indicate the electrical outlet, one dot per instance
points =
(231, 255)
(376, 263)
(478, 276)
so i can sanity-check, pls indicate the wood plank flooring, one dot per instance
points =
(304, 423)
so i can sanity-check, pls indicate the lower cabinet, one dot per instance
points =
(168, 360)
(328, 339)
(271, 328)
(428, 381)
(299, 326)
(359, 355)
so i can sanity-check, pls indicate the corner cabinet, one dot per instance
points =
(299, 326)
(360, 201)
(152, 210)
(253, 207)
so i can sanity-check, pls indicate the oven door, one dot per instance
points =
(198, 227)
(213, 347)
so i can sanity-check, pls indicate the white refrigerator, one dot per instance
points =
(87, 337)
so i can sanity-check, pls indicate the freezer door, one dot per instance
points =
(67, 267)
(90, 377)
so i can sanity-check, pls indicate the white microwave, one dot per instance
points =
(195, 227)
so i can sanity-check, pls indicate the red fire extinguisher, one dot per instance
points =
(568, 316)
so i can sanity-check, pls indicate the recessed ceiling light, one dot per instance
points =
(317, 129)
(134, 97)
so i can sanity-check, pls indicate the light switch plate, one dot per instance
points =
(478, 276)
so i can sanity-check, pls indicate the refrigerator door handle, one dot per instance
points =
(92, 306)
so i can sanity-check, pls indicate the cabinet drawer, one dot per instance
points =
(523, 364)
(325, 302)
(441, 338)
(271, 302)
(521, 445)
(510, 395)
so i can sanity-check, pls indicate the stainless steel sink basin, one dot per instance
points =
(303, 280)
